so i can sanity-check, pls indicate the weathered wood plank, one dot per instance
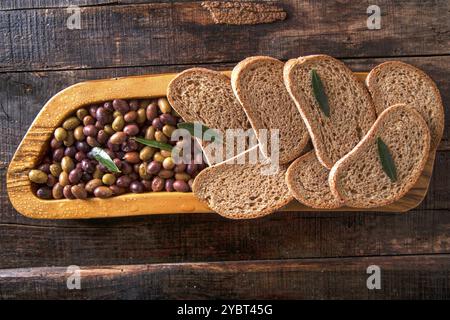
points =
(208, 237)
(407, 277)
(184, 32)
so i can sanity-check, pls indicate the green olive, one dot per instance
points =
(57, 191)
(160, 136)
(150, 133)
(71, 123)
(70, 139)
(118, 123)
(141, 116)
(60, 134)
(166, 153)
(109, 179)
(158, 157)
(164, 105)
(109, 130)
(67, 164)
(97, 174)
(38, 176)
(147, 153)
(81, 113)
(117, 114)
(168, 130)
(55, 169)
(78, 133)
(143, 171)
(182, 176)
(64, 179)
(168, 163)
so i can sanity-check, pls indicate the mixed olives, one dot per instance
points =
(70, 170)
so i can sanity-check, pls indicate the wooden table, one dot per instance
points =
(285, 255)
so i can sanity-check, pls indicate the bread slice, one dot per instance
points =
(358, 178)
(203, 95)
(307, 180)
(242, 191)
(396, 82)
(351, 109)
(258, 84)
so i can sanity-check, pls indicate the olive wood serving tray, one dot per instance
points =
(64, 103)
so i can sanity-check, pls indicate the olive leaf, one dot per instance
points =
(319, 93)
(154, 143)
(205, 134)
(103, 158)
(386, 160)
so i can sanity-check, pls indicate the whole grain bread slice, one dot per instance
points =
(258, 84)
(242, 191)
(397, 82)
(307, 180)
(205, 96)
(359, 179)
(351, 109)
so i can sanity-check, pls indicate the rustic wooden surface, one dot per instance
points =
(287, 255)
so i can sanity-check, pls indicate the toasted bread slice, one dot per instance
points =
(205, 96)
(258, 84)
(359, 179)
(396, 82)
(242, 191)
(351, 109)
(307, 180)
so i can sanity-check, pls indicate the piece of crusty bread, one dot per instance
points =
(307, 180)
(351, 109)
(241, 191)
(203, 95)
(396, 82)
(358, 178)
(258, 84)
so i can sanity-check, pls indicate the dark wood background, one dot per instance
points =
(284, 255)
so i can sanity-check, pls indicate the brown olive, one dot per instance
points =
(88, 120)
(57, 191)
(75, 176)
(180, 186)
(60, 134)
(82, 146)
(118, 123)
(130, 116)
(67, 164)
(103, 192)
(166, 153)
(92, 142)
(102, 137)
(129, 145)
(157, 124)
(90, 130)
(167, 118)
(121, 106)
(51, 180)
(92, 184)
(118, 138)
(78, 133)
(165, 174)
(131, 157)
(131, 129)
(123, 181)
(182, 176)
(55, 169)
(180, 167)
(70, 151)
(78, 192)
(109, 179)
(153, 167)
(44, 193)
(98, 174)
(108, 106)
(103, 116)
(80, 156)
(164, 105)
(109, 130)
(63, 178)
(134, 105)
(157, 184)
(71, 123)
(141, 116)
(67, 192)
(150, 133)
(93, 110)
(116, 190)
(191, 169)
(152, 111)
(146, 153)
(81, 113)
(55, 144)
(142, 170)
(168, 130)
(38, 176)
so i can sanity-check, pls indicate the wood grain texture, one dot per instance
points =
(184, 32)
(67, 101)
(403, 277)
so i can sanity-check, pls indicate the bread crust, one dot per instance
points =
(251, 112)
(374, 90)
(344, 162)
(299, 192)
(313, 130)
